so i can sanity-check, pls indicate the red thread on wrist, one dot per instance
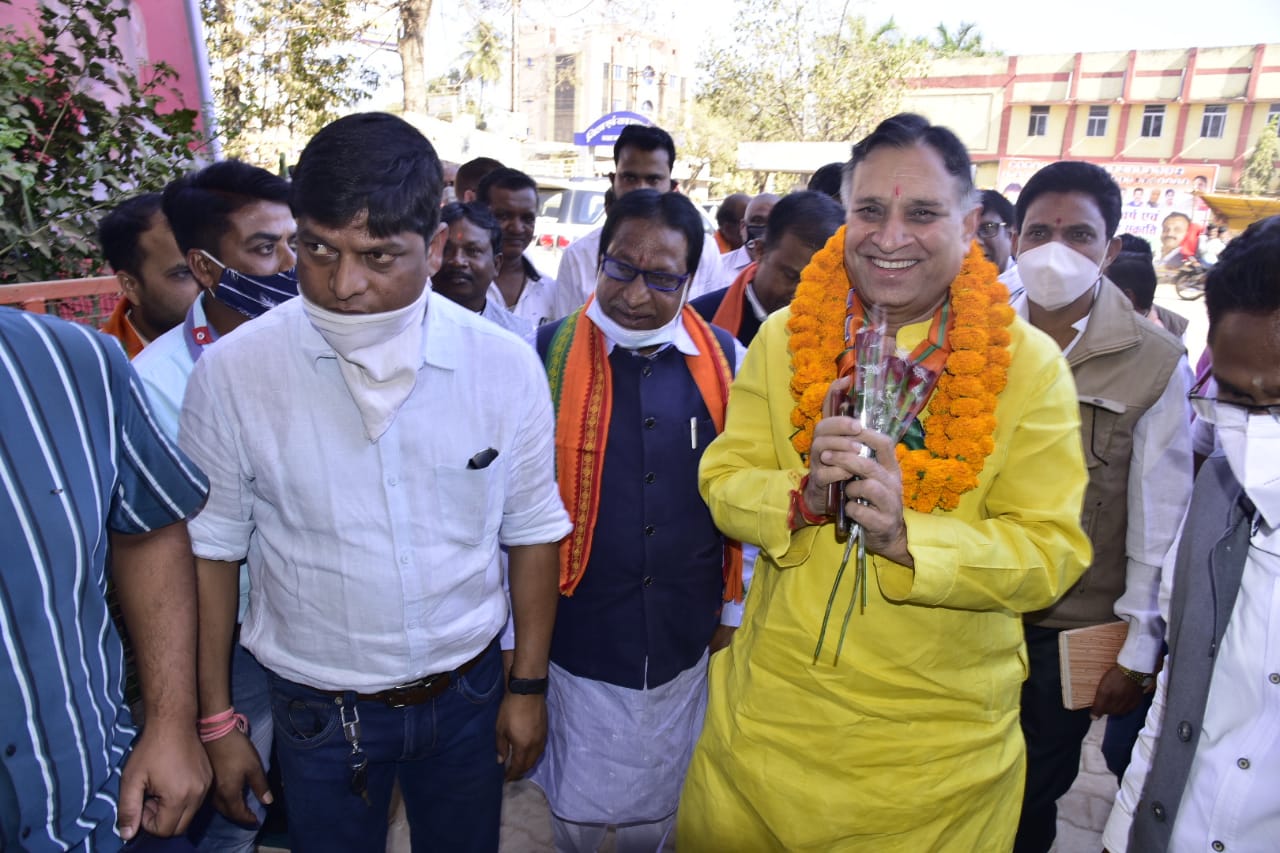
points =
(221, 725)
(798, 512)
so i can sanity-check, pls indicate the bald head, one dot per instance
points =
(729, 218)
(754, 220)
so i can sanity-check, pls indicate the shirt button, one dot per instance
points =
(10, 750)
(648, 581)
(650, 422)
(650, 477)
(1274, 678)
(1219, 846)
(404, 559)
(647, 370)
(1243, 764)
(1184, 731)
(26, 832)
(649, 530)
(1158, 810)
(391, 481)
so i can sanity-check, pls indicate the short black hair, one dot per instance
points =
(1247, 275)
(907, 129)
(119, 230)
(1134, 272)
(1075, 176)
(645, 138)
(1134, 243)
(828, 179)
(471, 173)
(504, 178)
(672, 210)
(993, 201)
(199, 205)
(477, 214)
(810, 216)
(370, 162)
(1177, 214)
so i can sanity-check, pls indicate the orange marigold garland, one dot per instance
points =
(961, 412)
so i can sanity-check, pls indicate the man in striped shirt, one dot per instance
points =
(83, 465)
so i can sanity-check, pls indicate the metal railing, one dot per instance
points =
(80, 300)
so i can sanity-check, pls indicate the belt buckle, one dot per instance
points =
(403, 695)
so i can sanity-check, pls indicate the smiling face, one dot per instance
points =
(909, 227)
(468, 265)
(647, 245)
(348, 270)
(517, 213)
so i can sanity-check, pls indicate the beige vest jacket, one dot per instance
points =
(1121, 365)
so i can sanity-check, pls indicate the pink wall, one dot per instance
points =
(167, 39)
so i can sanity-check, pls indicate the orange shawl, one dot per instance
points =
(582, 390)
(729, 315)
(119, 327)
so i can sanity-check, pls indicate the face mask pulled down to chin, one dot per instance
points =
(636, 338)
(1055, 275)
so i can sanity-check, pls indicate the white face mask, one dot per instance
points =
(1055, 276)
(637, 338)
(1251, 443)
(378, 356)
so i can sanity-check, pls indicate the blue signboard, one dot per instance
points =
(605, 130)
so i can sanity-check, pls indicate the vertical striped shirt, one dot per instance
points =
(80, 454)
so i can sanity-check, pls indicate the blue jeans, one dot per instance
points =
(211, 831)
(443, 752)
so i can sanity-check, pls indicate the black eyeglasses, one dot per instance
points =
(990, 229)
(665, 282)
(1207, 407)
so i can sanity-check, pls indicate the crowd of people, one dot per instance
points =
(387, 507)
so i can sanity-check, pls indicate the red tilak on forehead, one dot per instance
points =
(1057, 221)
(897, 192)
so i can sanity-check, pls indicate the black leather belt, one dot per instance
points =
(416, 692)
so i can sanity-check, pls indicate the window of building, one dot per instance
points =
(1273, 114)
(1097, 121)
(1153, 120)
(1038, 124)
(1214, 123)
(619, 73)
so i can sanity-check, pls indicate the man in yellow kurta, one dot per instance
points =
(909, 739)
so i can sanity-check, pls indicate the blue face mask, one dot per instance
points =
(253, 295)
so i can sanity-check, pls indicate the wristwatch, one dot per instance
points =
(527, 686)
(1145, 680)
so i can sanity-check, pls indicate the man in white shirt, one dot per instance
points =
(1131, 378)
(1206, 768)
(755, 220)
(472, 254)
(642, 159)
(519, 286)
(370, 445)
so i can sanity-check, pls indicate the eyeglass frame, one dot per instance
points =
(1205, 407)
(998, 226)
(681, 279)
